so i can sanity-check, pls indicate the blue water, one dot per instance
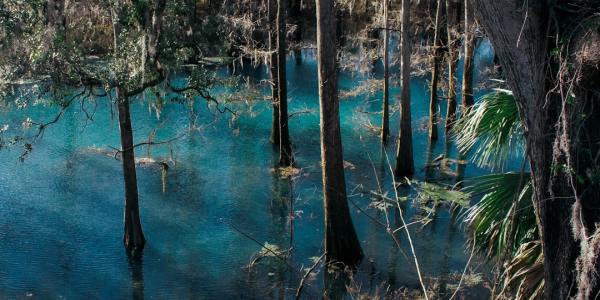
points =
(61, 209)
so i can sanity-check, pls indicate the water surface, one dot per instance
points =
(61, 209)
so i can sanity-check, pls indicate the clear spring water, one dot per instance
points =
(61, 210)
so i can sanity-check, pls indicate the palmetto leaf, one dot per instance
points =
(524, 273)
(504, 216)
(491, 130)
(502, 226)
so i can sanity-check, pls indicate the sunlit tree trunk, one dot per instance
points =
(404, 154)
(385, 126)
(453, 24)
(133, 237)
(341, 243)
(469, 46)
(285, 147)
(272, 7)
(435, 64)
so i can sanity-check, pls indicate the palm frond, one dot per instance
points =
(524, 273)
(491, 130)
(504, 216)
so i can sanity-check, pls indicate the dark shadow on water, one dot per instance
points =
(136, 272)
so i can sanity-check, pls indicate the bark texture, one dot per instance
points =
(134, 236)
(385, 126)
(556, 95)
(453, 30)
(404, 154)
(435, 65)
(285, 147)
(272, 14)
(469, 49)
(341, 242)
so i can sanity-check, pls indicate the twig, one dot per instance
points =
(149, 143)
(465, 270)
(259, 243)
(314, 266)
(391, 233)
(412, 247)
(301, 112)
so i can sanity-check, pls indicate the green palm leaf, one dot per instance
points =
(491, 130)
(504, 216)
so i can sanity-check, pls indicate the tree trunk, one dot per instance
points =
(272, 7)
(341, 243)
(404, 156)
(296, 17)
(133, 237)
(560, 130)
(453, 14)
(385, 126)
(524, 65)
(469, 43)
(435, 63)
(285, 147)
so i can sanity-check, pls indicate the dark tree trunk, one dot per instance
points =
(285, 147)
(385, 126)
(296, 17)
(272, 7)
(341, 243)
(561, 131)
(133, 237)
(453, 28)
(404, 155)
(435, 64)
(469, 43)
